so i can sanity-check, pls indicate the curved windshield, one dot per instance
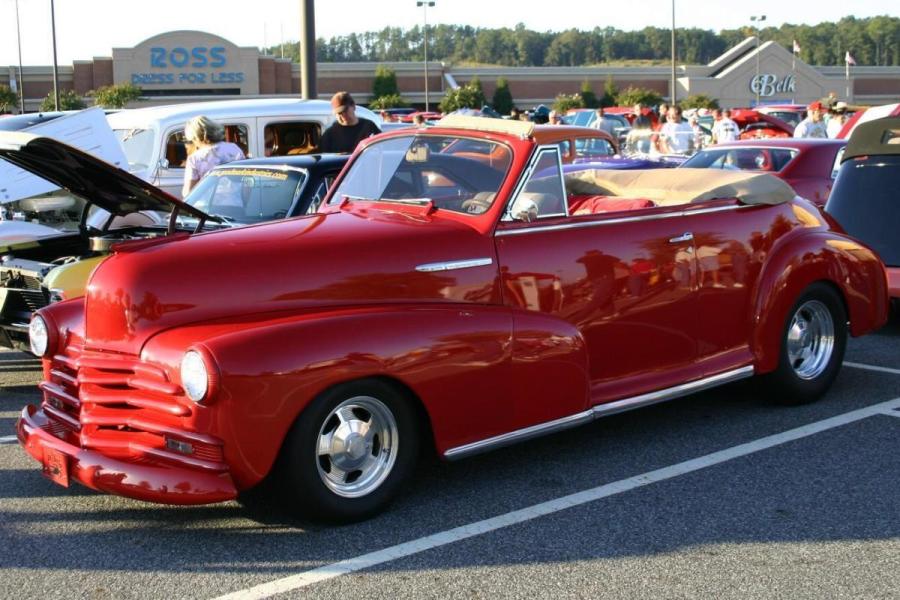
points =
(748, 159)
(865, 202)
(244, 195)
(453, 173)
(138, 145)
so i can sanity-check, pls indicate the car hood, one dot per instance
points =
(357, 256)
(95, 180)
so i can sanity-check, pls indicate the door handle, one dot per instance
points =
(684, 237)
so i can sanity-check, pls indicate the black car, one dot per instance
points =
(865, 200)
(263, 189)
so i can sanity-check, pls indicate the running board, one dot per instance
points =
(601, 410)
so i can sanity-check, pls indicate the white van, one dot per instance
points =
(154, 144)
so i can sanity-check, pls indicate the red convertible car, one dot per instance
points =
(462, 303)
(808, 165)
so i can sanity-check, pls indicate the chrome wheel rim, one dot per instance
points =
(357, 446)
(810, 339)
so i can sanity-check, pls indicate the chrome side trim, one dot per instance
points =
(671, 393)
(617, 221)
(519, 435)
(596, 412)
(454, 264)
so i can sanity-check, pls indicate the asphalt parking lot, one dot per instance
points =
(716, 495)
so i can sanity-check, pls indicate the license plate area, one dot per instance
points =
(56, 466)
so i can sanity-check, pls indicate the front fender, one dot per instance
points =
(456, 359)
(811, 256)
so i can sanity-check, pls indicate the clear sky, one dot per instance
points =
(88, 28)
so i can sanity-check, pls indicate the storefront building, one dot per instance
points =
(184, 66)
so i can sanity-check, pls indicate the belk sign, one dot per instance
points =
(767, 84)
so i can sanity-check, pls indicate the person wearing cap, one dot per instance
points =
(812, 126)
(348, 130)
(837, 116)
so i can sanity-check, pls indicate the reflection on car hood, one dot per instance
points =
(96, 181)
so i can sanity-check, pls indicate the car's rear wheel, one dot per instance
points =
(812, 346)
(349, 451)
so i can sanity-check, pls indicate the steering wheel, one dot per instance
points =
(476, 206)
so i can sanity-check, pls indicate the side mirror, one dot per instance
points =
(163, 163)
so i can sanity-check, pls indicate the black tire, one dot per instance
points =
(799, 380)
(305, 477)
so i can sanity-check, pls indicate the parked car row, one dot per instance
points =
(455, 289)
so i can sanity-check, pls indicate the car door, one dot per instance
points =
(625, 280)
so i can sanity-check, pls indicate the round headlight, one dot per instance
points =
(38, 336)
(194, 375)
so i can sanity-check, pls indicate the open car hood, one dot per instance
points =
(95, 180)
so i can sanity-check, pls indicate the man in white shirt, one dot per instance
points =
(724, 129)
(604, 124)
(676, 136)
(812, 126)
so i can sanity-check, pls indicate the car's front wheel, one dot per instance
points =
(349, 451)
(812, 346)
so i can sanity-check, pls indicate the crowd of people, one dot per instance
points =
(664, 130)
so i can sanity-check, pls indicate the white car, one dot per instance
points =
(154, 144)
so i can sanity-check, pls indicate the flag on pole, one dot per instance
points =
(796, 47)
(849, 59)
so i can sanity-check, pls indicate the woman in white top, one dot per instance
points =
(210, 149)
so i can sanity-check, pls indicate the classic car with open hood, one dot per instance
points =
(129, 208)
(39, 269)
(462, 296)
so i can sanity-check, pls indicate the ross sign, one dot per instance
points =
(182, 65)
(767, 84)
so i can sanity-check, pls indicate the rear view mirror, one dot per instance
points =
(418, 153)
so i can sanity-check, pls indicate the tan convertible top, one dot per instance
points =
(667, 187)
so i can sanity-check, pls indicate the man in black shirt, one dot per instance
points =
(348, 129)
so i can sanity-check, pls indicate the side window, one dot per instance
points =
(238, 134)
(288, 139)
(176, 149)
(543, 194)
(837, 162)
(319, 195)
(593, 147)
(565, 148)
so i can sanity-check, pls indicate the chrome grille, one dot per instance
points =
(123, 407)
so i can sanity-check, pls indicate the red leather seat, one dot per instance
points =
(591, 205)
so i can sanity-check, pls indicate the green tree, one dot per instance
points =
(389, 101)
(503, 100)
(68, 100)
(115, 96)
(564, 102)
(466, 96)
(610, 93)
(699, 101)
(8, 99)
(588, 95)
(385, 83)
(632, 95)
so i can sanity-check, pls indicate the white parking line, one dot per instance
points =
(344, 567)
(8, 439)
(872, 368)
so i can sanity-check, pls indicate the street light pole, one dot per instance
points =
(674, 93)
(55, 71)
(425, 4)
(757, 19)
(21, 77)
